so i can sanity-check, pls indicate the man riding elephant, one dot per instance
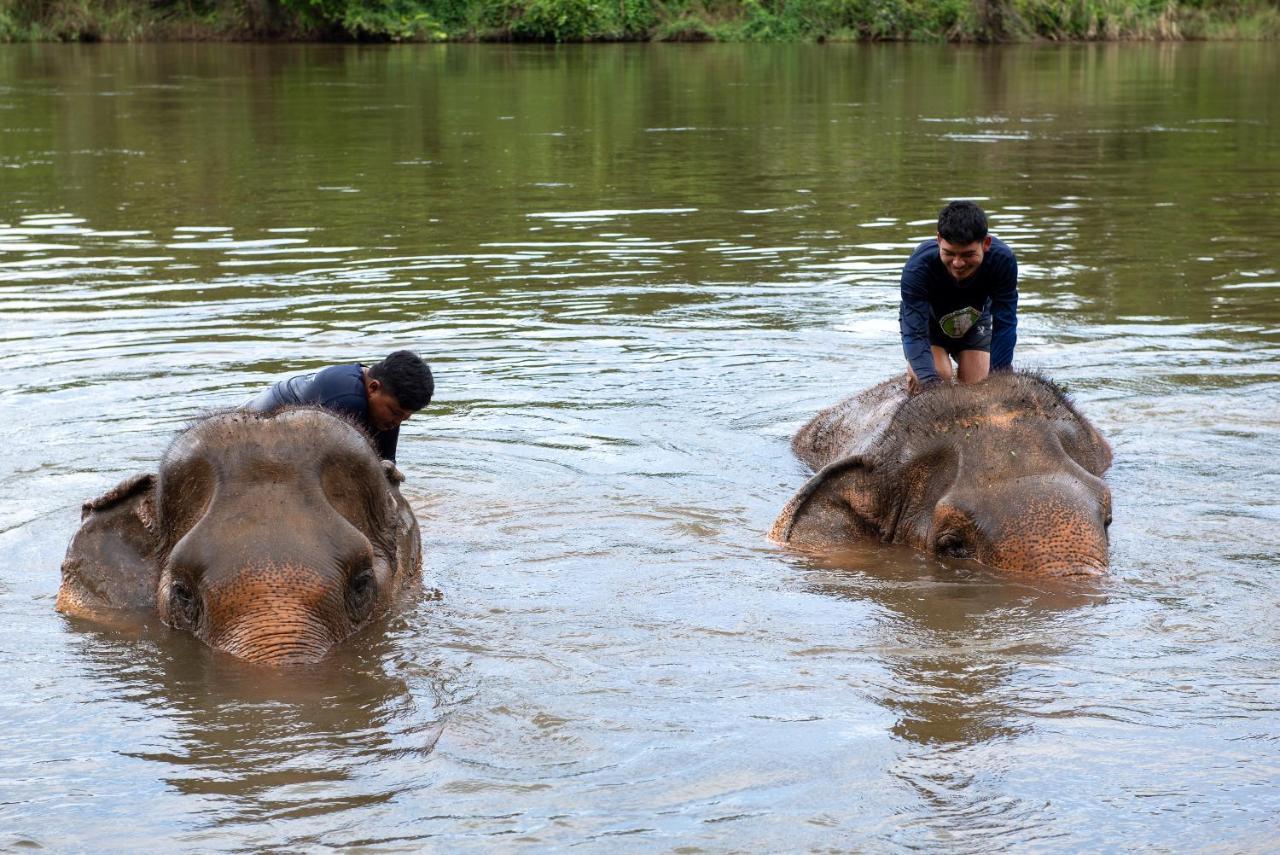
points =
(959, 300)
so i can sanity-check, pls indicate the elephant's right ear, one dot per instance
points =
(838, 504)
(393, 473)
(113, 561)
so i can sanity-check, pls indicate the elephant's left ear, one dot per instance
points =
(837, 504)
(113, 563)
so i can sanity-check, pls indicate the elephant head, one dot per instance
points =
(1005, 472)
(272, 538)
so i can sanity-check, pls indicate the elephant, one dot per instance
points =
(270, 537)
(1005, 472)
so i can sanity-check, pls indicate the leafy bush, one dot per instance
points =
(666, 20)
(397, 20)
(686, 28)
(637, 18)
(559, 20)
(9, 29)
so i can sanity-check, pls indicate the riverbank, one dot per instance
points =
(637, 20)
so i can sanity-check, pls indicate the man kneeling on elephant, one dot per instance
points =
(959, 300)
(379, 397)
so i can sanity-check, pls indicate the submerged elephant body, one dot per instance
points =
(269, 537)
(1005, 472)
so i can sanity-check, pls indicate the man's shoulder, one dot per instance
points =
(340, 373)
(1001, 250)
(922, 261)
(924, 252)
(339, 385)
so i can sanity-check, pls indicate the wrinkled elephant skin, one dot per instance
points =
(272, 538)
(1005, 472)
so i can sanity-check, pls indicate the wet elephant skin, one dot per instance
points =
(272, 538)
(1006, 472)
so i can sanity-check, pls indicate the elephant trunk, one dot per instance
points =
(275, 616)
(1058, 535)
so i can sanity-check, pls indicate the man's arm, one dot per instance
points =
(913, 324)
(270, 399)
(1004, 317)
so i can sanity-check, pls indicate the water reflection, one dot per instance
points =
(954, 637)
(264, 744)
(964, 652)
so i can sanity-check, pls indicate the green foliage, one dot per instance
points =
(664, 20)
(559, 20)
(10, 31)
(396, 20)
(686, 28)
(637, 18)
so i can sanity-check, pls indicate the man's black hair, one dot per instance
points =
(962, 223)
(406, 377)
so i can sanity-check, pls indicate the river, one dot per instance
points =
(635, 271)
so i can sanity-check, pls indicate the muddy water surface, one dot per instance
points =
(636, 271)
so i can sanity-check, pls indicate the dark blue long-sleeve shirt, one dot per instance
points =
(339, 388)
(930, 292)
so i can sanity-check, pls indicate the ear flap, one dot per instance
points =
(394, 475)
(1088, 448)
(112, 562)
(837, 505)
(1101, 450)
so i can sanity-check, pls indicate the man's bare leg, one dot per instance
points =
(975, 365)
(942, 363)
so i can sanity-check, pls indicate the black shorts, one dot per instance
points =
(977, 338)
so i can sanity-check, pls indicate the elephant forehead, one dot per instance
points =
(293, 446)
(1009, 444)
(998, 426)
(299, 433)
(1042, 502)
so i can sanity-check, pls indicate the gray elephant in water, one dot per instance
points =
(1005, 472)
(270, 537)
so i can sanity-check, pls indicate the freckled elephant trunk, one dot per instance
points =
(1060, 529)
(275, 616)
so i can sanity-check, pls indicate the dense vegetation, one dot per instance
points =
(638, 20)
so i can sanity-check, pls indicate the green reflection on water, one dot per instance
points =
(1131, 162)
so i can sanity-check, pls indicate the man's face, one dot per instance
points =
(962, 259)
(385, 411)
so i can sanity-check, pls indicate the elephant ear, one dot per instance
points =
(1087, 447)
(838, 504)
(407, 540)
(112, 563)
(394, 475)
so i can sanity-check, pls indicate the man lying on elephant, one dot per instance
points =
(380, 397)
(959, 299)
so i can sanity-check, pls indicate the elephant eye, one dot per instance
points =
(952, 545)
(184, 605)
(362, 590)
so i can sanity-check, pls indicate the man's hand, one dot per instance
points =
(915, 387)
(394, 475)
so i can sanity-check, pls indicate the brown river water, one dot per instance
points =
(636, 270)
